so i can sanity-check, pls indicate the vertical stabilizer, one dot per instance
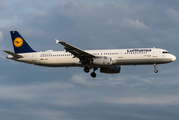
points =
(20, 45)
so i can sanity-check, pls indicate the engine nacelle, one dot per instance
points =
(102, 61)
(112, 69)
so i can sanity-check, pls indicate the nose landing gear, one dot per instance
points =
(155, 67)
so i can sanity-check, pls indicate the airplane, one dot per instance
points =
(109, 61)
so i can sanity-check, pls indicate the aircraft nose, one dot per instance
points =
(173, 58)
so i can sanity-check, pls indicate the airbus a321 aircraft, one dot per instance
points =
(108, 61)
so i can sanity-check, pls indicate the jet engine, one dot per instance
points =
(112, 69)
(102, 61)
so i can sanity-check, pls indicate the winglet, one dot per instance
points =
(57, 41)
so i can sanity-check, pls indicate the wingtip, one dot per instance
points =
(5, 51)
(57, 41)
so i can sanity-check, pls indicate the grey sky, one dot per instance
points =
(42, 93)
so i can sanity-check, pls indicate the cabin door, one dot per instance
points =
(155, 52)
(34, 58)
(120, 54)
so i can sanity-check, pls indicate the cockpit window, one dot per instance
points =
(165, 52)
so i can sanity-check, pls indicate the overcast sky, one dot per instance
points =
(137, 93)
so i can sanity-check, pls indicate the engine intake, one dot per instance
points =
(112, 69)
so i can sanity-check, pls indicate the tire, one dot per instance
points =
(93, 74)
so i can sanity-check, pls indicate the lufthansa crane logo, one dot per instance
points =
(18, 42)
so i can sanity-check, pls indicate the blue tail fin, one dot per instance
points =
(20, 45)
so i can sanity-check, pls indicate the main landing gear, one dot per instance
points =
(155, 67)
(86, 69)
(93, 74)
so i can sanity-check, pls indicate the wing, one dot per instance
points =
(82, 55)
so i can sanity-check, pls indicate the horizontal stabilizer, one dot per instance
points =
(13, 54)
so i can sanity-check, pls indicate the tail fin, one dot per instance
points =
(20, 45)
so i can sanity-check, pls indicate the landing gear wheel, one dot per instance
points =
(156, 71)
(86, 69)
(93, 74)
(155, 67)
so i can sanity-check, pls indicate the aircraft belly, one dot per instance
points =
(142, 61)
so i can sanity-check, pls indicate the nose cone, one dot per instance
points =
(173, 58)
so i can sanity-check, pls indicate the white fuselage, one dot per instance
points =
(140, 56)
